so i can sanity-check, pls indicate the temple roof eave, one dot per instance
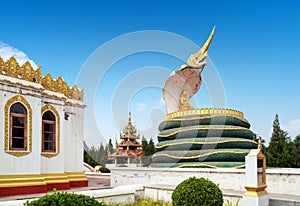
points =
(129, 137)
(125, 144)
(27, 76)
(20, 81)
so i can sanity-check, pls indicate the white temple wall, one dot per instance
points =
(78, 122)
(30, 163)
(279, 180)
(73, 133)
(70, 155)
(24, 166)
(55, 164)
(67, 134)
(3, 157)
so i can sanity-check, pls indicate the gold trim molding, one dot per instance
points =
(197, 156)
(256, 191)
(26, 72)
(49, 107)
(203, 128)
(206, 165)
(52, 178)
(206, 111)
(76, 176)
(40, 179)
(7, 106)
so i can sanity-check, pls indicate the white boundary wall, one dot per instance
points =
(279, 181)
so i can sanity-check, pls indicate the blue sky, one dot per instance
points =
(255, 52)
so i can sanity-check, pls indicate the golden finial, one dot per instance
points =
(129, 117)
(259, 144)
(197, 59)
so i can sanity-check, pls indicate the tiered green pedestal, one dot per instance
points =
(207, 137)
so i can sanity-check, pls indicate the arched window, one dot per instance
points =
(18, 127)
(49, 131)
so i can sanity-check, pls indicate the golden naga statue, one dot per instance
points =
(198, 60)
(185, 82)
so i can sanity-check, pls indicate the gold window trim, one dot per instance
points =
(49, 107)
(11, 101)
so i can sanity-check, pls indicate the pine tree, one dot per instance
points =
(281, 151)
(102, 155)
(144, 146)
(297, 144)
(148, 150)
(151, 147)
(291, 154)
(110, 147)
(90, 156)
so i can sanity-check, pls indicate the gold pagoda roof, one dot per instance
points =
(26, 72)
(129, 131)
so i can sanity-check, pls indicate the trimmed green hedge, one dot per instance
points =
(197, 191)
(64, 199)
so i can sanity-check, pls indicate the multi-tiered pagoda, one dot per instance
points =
(129, 147)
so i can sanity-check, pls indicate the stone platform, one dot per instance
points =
(283, 181)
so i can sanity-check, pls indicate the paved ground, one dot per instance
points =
(94, 183)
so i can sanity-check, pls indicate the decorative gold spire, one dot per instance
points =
(129, 117)
(195, 60)
(129, 130)
(26, 72)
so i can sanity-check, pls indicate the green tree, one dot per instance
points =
(144, 146)
(151, 147)
(291, 153)
(110, 147)
(148, 150)
(297, 144)
(281, 151)
(102, 155)
(90, 156)
(148, 147)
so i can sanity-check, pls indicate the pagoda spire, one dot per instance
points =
(129, 117)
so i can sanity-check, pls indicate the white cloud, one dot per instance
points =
(292, 127)
(140, 106)
(7, 51)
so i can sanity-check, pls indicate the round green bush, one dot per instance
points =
(64, 199)
(197, 191)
